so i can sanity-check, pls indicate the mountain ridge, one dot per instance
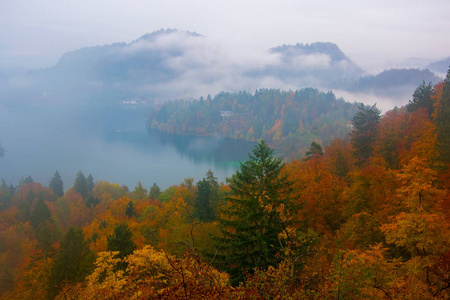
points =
(169, 64)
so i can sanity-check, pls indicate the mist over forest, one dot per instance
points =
(172, 64)
(177, 167)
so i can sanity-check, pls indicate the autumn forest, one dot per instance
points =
(362, 213)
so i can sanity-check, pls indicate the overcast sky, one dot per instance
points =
(373, 33)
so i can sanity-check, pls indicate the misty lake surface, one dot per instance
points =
(111, 143)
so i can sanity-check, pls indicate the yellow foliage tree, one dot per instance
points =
(150, 274)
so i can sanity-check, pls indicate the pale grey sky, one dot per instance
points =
(373, 33)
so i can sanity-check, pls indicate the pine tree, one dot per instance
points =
(73, 263)
(211, 179)
(130, 211)
(90, 182)
(442, 121)
(121, 241)
(80, 185)
(214, 195)
(139, 193)
(422, 98)
(56, 184)
(39, 214)
(154, 191)
(42, 223)
(202, 205)
(252, 221)
(314, 149)
(365, 132)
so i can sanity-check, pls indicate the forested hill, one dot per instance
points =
(288, 120)
(367, 218)
(171, 64)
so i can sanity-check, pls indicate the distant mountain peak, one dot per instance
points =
(155, 34)
(440, 66)
(327, 48)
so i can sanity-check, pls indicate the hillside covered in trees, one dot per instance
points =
(286, 120)
(171, 64)
(366, 218)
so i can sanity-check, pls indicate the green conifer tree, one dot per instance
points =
(80, 184)
(121, 241)
(73, 262)
(422, 98)
(202, 204)
(56, 184)
(442, 121)
(90, 182)
(365, 132)
(39, 214)
(130, 211)
(314, 149)
(139, 193)
(154, 191)
(252, 221)
(214, 197)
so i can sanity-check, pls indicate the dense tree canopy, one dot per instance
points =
(343, 223)
(289, 120)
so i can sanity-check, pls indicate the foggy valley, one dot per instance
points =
(230, 150)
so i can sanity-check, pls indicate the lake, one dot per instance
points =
(111, 143)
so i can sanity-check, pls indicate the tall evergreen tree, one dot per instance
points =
(73, 263)
(252, 221)
(28, 179)
(39, 214)
(130, 211)
(211, 179)
(314, 149)
(365, 132)
(2, 151)
(214, 196)
(46, 235)
(154, 191)
(139, 193)
(422, 98)
(442, 121)
(202, 204)
(90, 182)
(56, 184)
(80, 185)
(121, 241)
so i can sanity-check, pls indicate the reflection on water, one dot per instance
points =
(205, 149)
(111, 143)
